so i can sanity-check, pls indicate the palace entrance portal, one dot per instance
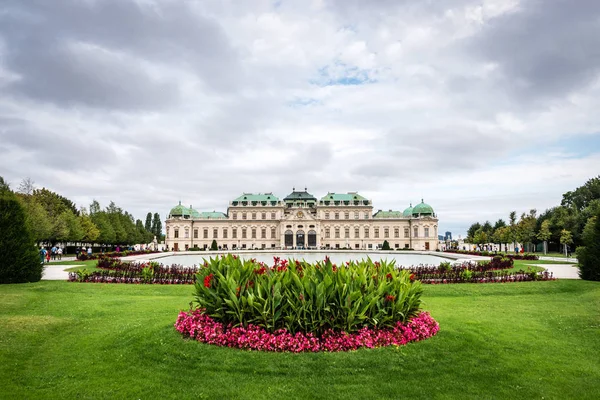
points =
(300, 239)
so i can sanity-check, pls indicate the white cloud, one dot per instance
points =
(398, 100)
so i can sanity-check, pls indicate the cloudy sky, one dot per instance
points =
(478, 106)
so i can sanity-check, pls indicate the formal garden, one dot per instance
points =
(233, 328)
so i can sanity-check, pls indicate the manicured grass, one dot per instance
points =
(517, 340)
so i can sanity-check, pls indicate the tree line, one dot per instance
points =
(53, 218)
(559, 226)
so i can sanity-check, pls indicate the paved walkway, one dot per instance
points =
(561, 271)
(56, 272)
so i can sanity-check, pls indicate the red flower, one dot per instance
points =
(389, 276)
(412, 277)
(207, 280)
(390, 298)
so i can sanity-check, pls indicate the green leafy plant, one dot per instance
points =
(83, 274)
(445, 266)
(304, 297)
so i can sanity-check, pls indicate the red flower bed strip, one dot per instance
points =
(201, 327)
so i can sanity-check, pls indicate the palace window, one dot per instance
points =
(386, 232)
(243, 215)
(215, 233)
(356, 233)
(396, 232)
(327, 215)
(234, 215)
(347, 215)
(416, 229)
(253, 233)
(356, 215)
(376, 235)
(273, 233)
(243, 233)
(327, 233)
(187, 233)
(234, 233)
(426, 232)
(205, 233)
(176, 233)
(366, 215)
(405, 232)
(263, 233)
(337, 215)
(273, 215)
(337, 233)
(264, 216)
(224, 233)
(195, 233)
(366, 232)
(347, 233)
(253, 215)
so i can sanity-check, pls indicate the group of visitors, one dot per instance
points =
(54, 253)
(82, 250)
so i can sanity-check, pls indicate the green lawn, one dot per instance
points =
(517, 340)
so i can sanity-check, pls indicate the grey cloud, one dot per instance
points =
(546, 49)
(39, 37)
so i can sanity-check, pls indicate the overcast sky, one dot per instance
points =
(478, 106)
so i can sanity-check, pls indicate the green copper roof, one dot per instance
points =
(350, 196)
(388, 214)
(212, 215)
(180, 211)
(257, 197)
(422, 209)
(300, 196)
(408, 211)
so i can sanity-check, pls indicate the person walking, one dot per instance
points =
(89, 251)
(59, 253)
(42, 255)
(53, 250)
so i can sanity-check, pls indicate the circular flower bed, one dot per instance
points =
(297, 306)
(201, 327)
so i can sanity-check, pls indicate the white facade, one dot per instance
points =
(262, 221)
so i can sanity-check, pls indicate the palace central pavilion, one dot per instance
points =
(301, 221)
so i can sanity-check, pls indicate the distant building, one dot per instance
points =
(441, 238)
(300, 220)
(448, 236)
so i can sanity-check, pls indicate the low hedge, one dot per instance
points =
(524, 256)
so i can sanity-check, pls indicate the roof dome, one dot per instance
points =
(408, 211)
(180, 211)
(422, 209)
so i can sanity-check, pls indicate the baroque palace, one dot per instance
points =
(300, 221)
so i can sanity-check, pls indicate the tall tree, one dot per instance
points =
(4, 186)
(148, 225)
(90, 230)
(544, 234)
(26, 186)
(157, 227)
(94, 207)
(20, 262)
(589, 254)
(566, 239)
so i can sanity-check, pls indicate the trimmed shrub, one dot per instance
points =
(19, 261)
(304, 297)
(385, 246)
(213, 245)
(588, 256)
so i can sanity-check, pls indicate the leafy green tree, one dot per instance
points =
(20, 260)
(566, 239)
(157, 226)
(583, 195)
(74, 227)
(36, 218)
(89, 229)
(106, 232)
(544, 234)
(385, 246)
(4, 186)
(588, 256)
(471, 232)
(526, 228)
(148, 225)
